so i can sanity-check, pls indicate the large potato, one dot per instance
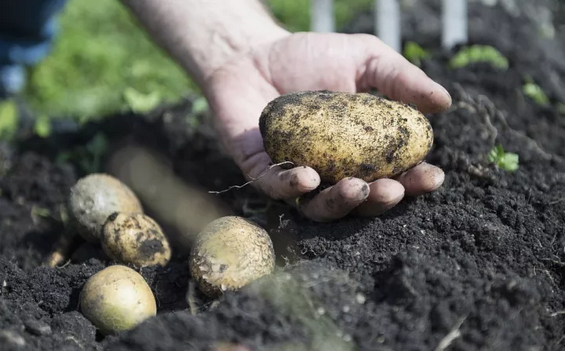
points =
(344, 135)
(229, 253)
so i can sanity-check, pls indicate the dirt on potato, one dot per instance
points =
(479, 264)
(343, 135)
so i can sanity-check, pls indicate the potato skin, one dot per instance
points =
(135, 238)
(343, 135)
(117, 299)
(95, 197)
(229, 253)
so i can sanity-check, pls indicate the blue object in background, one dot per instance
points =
(27, 28)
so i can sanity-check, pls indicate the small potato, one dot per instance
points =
(117, 299)
(135, 238)
(343, 135)
(94, 198)
(229, 253)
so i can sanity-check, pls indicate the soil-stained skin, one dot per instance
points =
(230, 253)
(94, 198)
(344, 135)
(136, 239)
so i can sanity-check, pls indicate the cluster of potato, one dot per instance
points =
(340, 135)
(228, 254)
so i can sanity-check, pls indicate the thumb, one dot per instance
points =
(391, 74)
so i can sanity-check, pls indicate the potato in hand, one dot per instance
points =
(343, 135)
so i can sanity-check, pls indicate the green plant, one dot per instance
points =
(141, 103)
(505, 160)
(100, 52)
(478, 53)
(535, 92)
(8, 119)
(415, 53)
(42, 126)
(88, 157)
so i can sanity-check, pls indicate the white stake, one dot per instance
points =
(322, 16)
(387, 22)
(454, 23)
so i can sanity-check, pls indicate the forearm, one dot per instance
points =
(201, 35)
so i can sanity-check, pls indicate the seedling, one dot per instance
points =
(415, 53)
(505, 160)
(141, 103)
(535, 92)
(476, 54)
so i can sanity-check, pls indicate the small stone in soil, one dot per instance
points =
(37, 327)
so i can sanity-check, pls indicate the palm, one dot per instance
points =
(240, 90)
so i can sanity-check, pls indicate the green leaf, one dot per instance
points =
(505, 160)
(8, 119)
(509, 162)
(200, 105)
(98, 144)
(141, 103)
(415, 53)
(478, 53)
(40, 211)
(535, 92)
(96, 148)
(42, 126)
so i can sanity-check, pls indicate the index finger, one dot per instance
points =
(397, 78)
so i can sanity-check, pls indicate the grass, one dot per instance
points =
(103, 62)
(99, 55)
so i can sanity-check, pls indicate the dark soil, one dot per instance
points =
(478, 264)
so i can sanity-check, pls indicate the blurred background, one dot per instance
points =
(103, 63)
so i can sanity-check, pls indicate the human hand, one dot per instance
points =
(240, 89)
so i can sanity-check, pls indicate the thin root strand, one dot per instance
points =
(252, 179)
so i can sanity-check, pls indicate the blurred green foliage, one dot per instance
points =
(89, 156)
(534, 91)
(8, 119)
(415, 53)
(294, 15)
(103, 62)
(100, 54)
(479, 53)
(42, 126)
